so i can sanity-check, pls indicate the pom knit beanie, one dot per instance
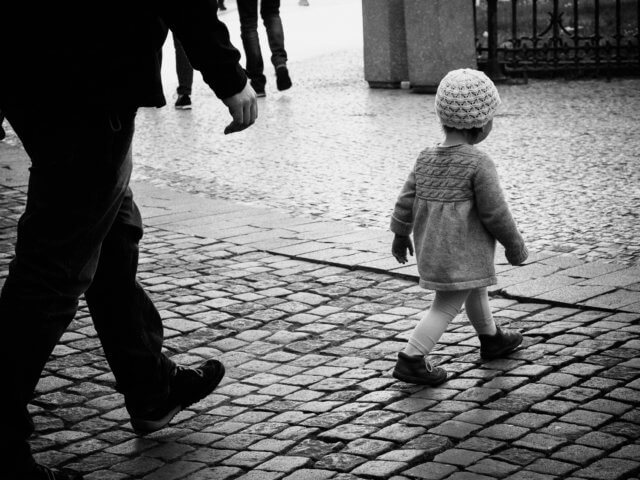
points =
(466, 98)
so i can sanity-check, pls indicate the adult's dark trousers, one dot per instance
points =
(78, 235)
(270, 13)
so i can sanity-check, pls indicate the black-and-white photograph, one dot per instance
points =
(320, 240)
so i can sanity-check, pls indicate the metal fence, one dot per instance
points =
(558, 38)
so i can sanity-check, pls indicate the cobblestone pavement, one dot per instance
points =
(308, 394)
(567, 151)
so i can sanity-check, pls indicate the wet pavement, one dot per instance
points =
(255, 256)
(566, 151)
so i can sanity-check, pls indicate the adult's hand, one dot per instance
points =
(243, 107)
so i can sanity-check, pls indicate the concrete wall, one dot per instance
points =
(385, 49)
(416, 40)
(440, 38)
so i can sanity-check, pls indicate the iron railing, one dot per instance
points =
(550, 37)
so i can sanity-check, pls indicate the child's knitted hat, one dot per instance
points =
(466, 98)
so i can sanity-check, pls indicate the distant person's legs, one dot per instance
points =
(221, 5)
(184, 71)
(270, 13)
(248, 11)
(2, 132)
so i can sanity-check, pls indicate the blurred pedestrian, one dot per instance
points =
(79, 73)
(270, 13)
(455, 207)
(2, 132)
(184, 72)
(221, 5)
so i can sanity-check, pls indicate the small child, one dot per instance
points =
(453, 204)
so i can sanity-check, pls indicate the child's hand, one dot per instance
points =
(517, 257)
(400, 246)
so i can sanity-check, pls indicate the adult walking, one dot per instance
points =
(78, 73)
(270, 13)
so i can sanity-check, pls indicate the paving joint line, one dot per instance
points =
(500, 293)
(503, 294)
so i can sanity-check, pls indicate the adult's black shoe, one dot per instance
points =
(188, 386)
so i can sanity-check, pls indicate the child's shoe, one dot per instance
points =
(500, 344)
(417, 369)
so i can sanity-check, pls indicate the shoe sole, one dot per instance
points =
(503, 351)
(143, 427)
(418, 380)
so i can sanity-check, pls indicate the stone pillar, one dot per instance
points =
(440, 38)
(385, 49)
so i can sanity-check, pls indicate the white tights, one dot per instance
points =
(444, 308)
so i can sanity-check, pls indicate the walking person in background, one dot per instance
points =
(221, 5)
(184, 70)
(2, 132)
(80, 229)
(453, 204)
(270, 13)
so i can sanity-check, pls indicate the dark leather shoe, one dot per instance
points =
(500, 344)
(417, 369)
(188, 386)
(283, 81)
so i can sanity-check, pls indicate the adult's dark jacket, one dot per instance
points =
(75, 53)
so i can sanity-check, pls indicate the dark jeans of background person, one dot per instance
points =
(183, 69)
(2, 132)
(270, 13)
(78, 235)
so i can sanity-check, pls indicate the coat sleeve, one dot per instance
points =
(495, 214)
(206, 41)
(402, 218)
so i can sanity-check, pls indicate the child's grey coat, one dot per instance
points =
(453, 203)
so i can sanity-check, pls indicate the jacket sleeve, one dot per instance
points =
(402, 218)
(206, 41)
(495, 214)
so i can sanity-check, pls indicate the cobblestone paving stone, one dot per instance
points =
(308, 392)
